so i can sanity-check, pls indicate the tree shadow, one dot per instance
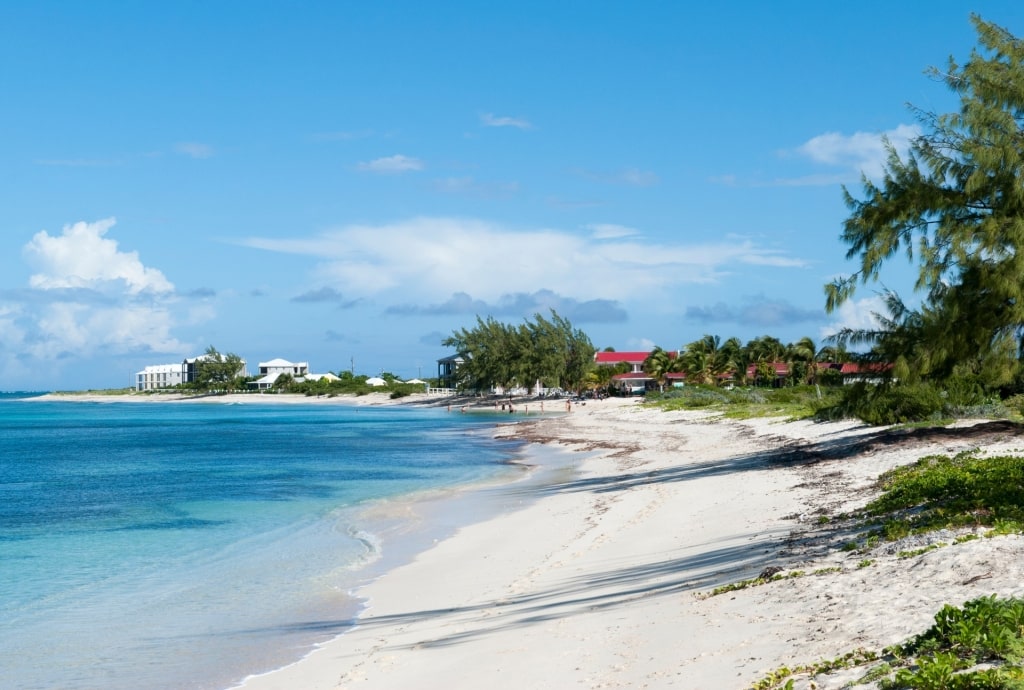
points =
(733, 558)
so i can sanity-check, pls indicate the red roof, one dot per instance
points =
(781, 369)
(639, 376)
(618, 357)
(870, 368)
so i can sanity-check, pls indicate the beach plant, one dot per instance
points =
(940, 491)
(977, 646)
(801, 402)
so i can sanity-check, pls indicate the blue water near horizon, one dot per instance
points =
(171, 545)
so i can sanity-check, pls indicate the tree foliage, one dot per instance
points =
(216, 371)
(549, 351)
(955, 205)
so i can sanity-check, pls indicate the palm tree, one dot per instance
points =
(707, 359)
(801, 359)
(658, 363)
(763, 351)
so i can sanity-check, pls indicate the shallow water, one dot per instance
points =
(169, 545)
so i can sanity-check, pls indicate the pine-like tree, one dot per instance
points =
(955, 205)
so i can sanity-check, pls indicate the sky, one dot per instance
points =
(346, 184)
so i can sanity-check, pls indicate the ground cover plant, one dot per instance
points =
(938, 491)
(795, 402)
(977, 646)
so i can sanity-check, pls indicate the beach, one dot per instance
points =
(602, 580)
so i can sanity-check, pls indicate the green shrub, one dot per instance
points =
(940, 491)
(886, 404)
(902, 403)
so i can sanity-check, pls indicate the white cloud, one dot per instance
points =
(857, 315)
(194, 149)
(392, 164)
(80, 257)
(433, 258)
(491, 120)
(89, 298)
(860, 151)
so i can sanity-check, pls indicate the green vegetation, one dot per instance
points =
(218, 372)
(954, 204)
(740, 403)
(498, 354)
(960, 491)
(979, 646)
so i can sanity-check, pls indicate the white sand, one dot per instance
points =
(600, 583)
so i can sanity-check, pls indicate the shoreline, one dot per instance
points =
(603, 580)
(525, 406)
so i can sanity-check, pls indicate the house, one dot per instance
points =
(869, 372)
(632, 382)
(780, 371)
(190, 369)
(447, 370)
(270, 371)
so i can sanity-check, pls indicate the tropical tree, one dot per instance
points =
(216, 371)
(547, 350)
(955, 204)
(707, 360)
(659, 363)
(801, 358)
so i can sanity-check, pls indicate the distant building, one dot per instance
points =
(633, 381)
(157, 376)
(270, 371)
(447, 370)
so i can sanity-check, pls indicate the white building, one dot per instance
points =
(270, 371)
(157, 376)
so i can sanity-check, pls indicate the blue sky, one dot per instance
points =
(348, 183)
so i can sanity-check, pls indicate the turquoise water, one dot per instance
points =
(186, 545)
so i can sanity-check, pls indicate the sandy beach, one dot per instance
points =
(602, 581)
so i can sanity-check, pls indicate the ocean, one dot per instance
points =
(188, 545)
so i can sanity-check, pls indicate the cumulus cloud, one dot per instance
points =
(87, 298)
(492, 120)
(81, 257)
(426, 260)
(860, 151)
(521, 304)
(857, 315)
(391, 164)
(758, 311)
